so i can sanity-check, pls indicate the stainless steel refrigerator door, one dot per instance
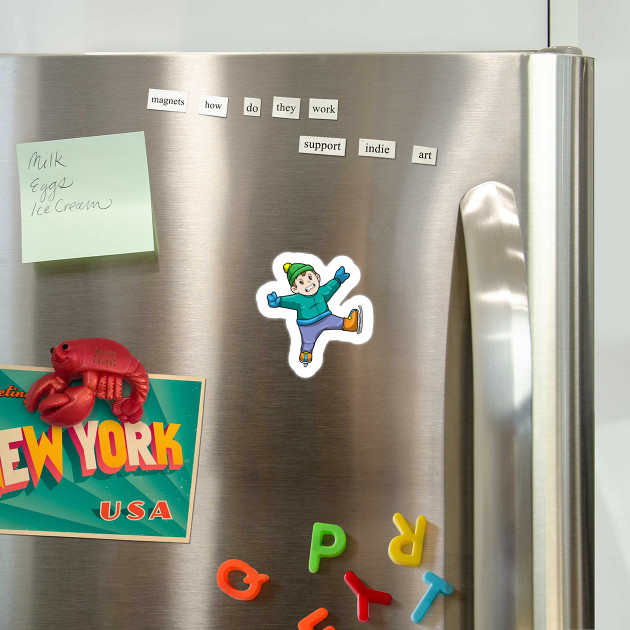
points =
(384, 427)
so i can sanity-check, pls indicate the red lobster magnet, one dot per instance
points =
(102, 364)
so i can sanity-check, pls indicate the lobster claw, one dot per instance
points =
(68, 408)
(43, 386)
(128, 409)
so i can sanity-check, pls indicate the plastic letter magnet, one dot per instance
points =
(252, 577)
(365, 595)
(319, 551)
(309, 622)
(436, 586)
(407, 537)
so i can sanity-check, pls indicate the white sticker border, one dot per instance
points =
(338, 306)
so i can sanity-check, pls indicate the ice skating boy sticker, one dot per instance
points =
(309, 296)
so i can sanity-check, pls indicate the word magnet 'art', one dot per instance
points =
(313, 300)
(98, 448)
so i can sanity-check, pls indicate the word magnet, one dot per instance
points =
(213, 105)
(251, 106)
(311, 298)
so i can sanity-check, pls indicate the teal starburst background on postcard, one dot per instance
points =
(72, 505)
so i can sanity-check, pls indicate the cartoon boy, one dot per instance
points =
(310, 300)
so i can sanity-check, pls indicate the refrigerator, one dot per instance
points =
(466, 398)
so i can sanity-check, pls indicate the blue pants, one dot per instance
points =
(311, 332)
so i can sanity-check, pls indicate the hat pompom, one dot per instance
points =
(286, 267)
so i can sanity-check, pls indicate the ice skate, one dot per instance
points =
(354, 321)
(306, 358)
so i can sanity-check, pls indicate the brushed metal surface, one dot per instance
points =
(502, 369)
(383, 427)
(560, 278)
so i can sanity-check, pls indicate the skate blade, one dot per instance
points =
(360, 319)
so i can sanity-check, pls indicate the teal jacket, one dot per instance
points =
(312, 308)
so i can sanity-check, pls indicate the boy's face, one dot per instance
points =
(306, 284)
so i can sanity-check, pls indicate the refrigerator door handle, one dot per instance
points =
(502, 375)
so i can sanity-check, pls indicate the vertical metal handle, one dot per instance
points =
(502, 374)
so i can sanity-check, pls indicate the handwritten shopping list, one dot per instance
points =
(85, 197)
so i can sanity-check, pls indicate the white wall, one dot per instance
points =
(38, 26)
(604, 29)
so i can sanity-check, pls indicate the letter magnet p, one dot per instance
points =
(319, 550)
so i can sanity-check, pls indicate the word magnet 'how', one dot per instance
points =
(365, 595)
(310, 621)
(436, 586)
(407, 537)
(319, 550)
(252, 577)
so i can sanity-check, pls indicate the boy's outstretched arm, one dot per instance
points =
(285, 302)
(341, 275)
(330, 288)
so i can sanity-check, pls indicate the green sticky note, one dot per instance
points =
(85, 197)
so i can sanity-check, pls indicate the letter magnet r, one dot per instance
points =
(407, 537)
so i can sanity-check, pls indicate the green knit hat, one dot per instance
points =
(294, 270)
